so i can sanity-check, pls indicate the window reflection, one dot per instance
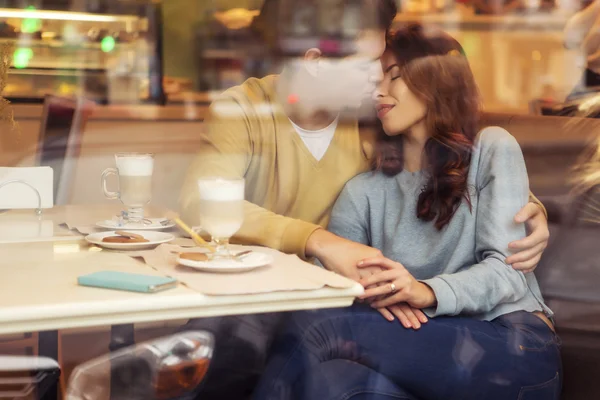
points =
(195, 82)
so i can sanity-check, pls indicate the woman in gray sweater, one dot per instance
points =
(439, 205)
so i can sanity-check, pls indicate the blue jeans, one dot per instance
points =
(515, 356)
(242, 343)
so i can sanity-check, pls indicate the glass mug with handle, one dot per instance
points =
(134, 172)
(221, 211)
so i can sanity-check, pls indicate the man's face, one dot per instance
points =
(347, 82)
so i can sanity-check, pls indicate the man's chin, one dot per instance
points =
(362, 108)
(366, 111)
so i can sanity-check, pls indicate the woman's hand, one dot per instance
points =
(396, 283)
(530, 248)
(408, 316)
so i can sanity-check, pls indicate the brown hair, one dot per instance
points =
(435, 69)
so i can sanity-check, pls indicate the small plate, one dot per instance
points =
(155, 238)
(157, 225)
(247, 263)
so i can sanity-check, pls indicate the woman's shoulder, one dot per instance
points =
(494, 141)
(494, 136)
(495, 150)
(359, 188)
(365, 181)
(357, 193)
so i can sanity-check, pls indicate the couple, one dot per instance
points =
(441, 202)
(438, 204)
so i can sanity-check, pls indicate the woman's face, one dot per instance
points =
(397, 107)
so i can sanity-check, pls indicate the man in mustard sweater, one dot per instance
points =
(295, 139)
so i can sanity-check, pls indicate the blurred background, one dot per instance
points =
(178, 54)
(110, 50)
(144, 72)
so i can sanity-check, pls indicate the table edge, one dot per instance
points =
(193, 305)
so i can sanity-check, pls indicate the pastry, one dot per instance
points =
(129, 235)
(194, 256)
(123, 239)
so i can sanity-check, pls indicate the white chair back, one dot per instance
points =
(26, 187)
(27, 377)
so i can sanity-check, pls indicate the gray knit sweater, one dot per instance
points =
(464, 262)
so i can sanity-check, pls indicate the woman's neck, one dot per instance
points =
(301, 105)
(414, 144)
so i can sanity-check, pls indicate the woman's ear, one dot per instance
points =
(312, 57)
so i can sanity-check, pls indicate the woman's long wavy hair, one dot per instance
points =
(434, 67)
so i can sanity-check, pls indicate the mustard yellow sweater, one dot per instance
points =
(289, 194)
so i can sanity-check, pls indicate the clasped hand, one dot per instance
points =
(391, 289)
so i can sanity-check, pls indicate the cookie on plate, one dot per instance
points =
(194, 256)
(123, 239)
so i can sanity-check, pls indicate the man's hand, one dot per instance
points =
(338, 254)
(342, 256)
(408, 316)
(530, 249)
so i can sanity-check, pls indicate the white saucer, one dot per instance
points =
(157, 225)
(251, 261)
(155, 238)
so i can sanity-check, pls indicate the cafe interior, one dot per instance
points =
(92, 89)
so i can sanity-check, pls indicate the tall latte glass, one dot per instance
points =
(221, 210)
(134, 171)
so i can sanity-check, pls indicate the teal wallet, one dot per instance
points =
(126, 281)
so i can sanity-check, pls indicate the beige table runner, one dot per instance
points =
(286, 273)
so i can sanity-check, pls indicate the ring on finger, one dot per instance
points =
(392, 287)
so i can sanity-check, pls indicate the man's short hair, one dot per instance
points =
(290, 27)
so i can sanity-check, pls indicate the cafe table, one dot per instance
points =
(39, 291)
